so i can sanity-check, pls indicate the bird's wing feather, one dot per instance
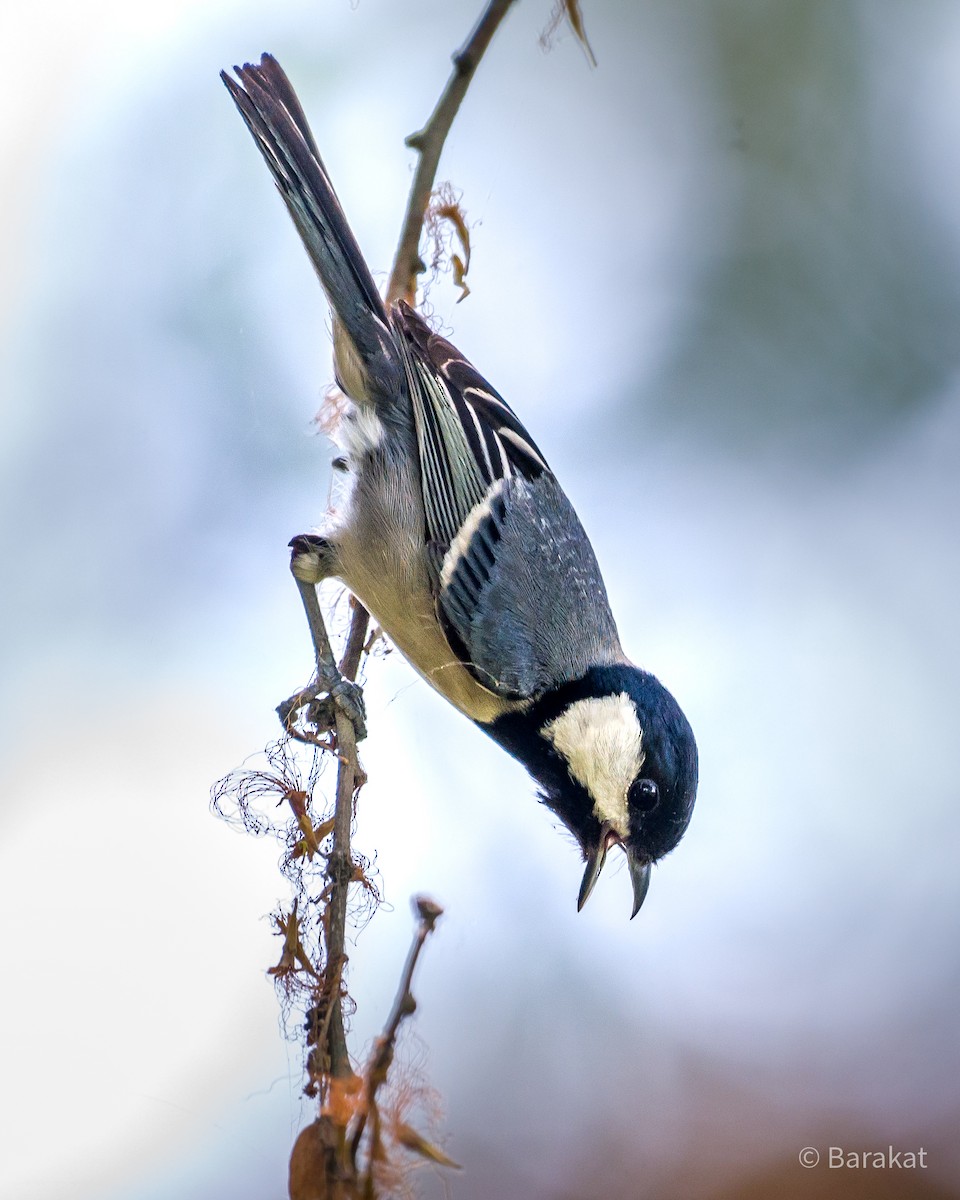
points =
(468, 437)
(275, 118)
(513, 572)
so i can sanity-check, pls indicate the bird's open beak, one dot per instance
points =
(639, 878)
(639, 870)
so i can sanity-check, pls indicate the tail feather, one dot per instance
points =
(275, 118)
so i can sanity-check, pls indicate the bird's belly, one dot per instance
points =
(396, 591)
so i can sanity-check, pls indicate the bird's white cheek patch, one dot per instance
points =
(602, 742)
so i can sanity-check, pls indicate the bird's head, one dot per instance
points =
(619, 767)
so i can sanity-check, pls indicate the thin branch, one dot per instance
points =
(428, 141)
(404, 1005)
(340, 863)
(340, 872)
(356, 642)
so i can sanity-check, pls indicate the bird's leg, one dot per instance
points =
(310, 563)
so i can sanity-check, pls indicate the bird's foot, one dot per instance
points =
(321, 701)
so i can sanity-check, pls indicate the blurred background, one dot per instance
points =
(719, 278)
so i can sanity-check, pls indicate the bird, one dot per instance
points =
(457, 537)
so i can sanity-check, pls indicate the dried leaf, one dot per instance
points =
(459, 270)
(308, 844)
(445, 206)
(324, 829)
(415, 1142)
(573, 14)
(452, 212)
(313, 1162)
(568, 10)
(288, 927)
(344, 1099)
(240, 796)
(293, 951)
(313, 835)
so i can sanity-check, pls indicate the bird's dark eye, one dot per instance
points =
(645, 795)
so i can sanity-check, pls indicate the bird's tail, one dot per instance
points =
(367, 361)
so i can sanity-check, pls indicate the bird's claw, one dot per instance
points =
(321, 700)
(348, 697)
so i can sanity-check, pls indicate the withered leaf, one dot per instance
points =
(570, 11)
(293, 951)
(344, 1099)
(408, 1137)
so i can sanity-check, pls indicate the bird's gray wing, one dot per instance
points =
(518, 589)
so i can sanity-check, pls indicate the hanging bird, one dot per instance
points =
(459, 540)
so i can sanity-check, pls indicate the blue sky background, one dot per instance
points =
(718, 277)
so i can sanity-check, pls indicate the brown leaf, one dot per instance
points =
(459, 270)
(313, 1165)
(408, 1137)
(571, 9)
(445, 206)
(291, 937)
(568, 10)
(313, 835)
(343, 1100)
(293, 951)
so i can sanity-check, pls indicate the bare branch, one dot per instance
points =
(429, 141)
(356, 642)
(404, 1005)
(340, 872)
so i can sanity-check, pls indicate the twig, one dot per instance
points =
(356, 642)
(340, 872)
(428, 142)
(404, 1005)
(340, 862)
